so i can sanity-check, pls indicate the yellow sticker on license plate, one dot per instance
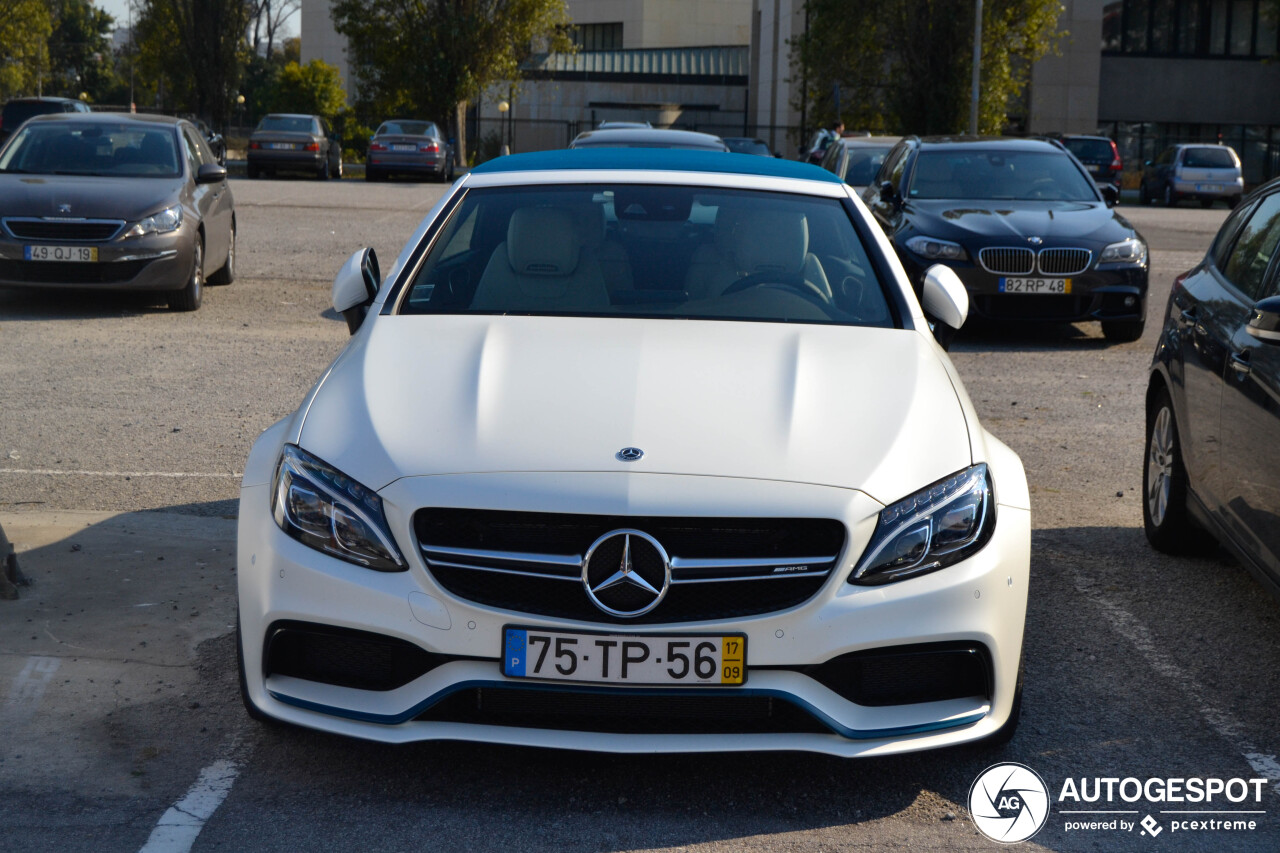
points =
(733, 665)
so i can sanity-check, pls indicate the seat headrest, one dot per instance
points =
(542, 241)
(770, 241)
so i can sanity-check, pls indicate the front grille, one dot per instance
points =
(87, 230)
(344, 657)
(906, 675)
(721, 568)
(1007, 261)
(1034, 306)
(1064, 261)
(624, 712)
(53, 272)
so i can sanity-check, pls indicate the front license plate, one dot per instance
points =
(81, 254)
(1035, 285)
(649, 659)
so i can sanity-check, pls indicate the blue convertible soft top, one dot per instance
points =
(656, 159)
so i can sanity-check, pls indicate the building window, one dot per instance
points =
(1237, 28)
(597, 36)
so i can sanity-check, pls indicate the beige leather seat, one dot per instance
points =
(758, 242)
(614, 263)
(541, 267)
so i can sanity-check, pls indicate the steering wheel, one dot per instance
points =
(792, 281)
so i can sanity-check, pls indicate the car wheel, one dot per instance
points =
(252, 170)
(1206, 203)
(188, 298)
(1123, 331)
(1005, 733)
(253, 711)
(1143, 196)
(1168, 524)
(1233, 201)
(323, 172)
(227, 274)
(338, 172)
(1170, 197)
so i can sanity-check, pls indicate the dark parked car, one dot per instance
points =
(1099, 155)
(18, 110)
(1206, 173)
(1030, 234)
(291, 142)
(217, 144)
(409, 147)
(115, 201)
(634, 137)
(1211, 469)
(748, 145)
(856, 159)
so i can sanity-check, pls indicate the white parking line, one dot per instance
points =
(179, 827)
(1222, 722)
(28, 688)
(62, 472)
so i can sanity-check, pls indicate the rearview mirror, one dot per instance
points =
(944, 298)
(887, 193)
(355, 287)
(1110, 194)
(1264, 320)
(211, 173)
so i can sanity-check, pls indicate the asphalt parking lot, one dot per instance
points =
(123, 427)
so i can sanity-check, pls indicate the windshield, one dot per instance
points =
(864, 161)
(659, 251)
(83, 148)
(1089, 150)
(408, 128)
(288, 124)
(1209, 158)
(999, 176)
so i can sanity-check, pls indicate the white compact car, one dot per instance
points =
(639, 451)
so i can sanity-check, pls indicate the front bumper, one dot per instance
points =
(1107, 293)
(981, 601)
(154, 262)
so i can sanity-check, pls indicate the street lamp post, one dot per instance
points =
(240, 106)
(977, 66)
(503, 108)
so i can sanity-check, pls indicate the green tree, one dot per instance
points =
(427, 57)
(80, 50)
(905, 65)
(24, 54)
(198, 47)
(312, 88)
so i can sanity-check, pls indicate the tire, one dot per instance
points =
(1123, 331)
(370, 175)
(338, 173)
(1005, 733)
(251, 709)
(1165, 519)
(253, 171)
(1143, 196)
(189, 297)
(1170, 197)
(1206, 203)
(323, 173)
(227, 274)
(1233, 201)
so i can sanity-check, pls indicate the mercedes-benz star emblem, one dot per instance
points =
(626, 573)
(629, 454)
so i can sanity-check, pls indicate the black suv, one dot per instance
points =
(1022, 223)
(1099, 154)
(20, 109)
(1211, 465)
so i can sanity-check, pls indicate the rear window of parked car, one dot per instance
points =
(1209, 158)
(289, 124)
(408, 128)
(657, 251)
(1089, 149)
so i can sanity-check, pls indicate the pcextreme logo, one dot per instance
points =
(1010, 803)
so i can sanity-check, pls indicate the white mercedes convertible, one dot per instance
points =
(639, 451)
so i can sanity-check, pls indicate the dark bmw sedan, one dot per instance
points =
(115, 202)
(1211, 470)
(1023, 225)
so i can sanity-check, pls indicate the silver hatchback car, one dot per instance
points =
(1207, 173)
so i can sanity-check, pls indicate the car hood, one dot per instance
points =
(79, 196)
(999, 221)
(872, 409)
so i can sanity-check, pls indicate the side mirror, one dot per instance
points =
(211, 173)
(887, 193)
(355, 287)
(945, 299)
(1110, 194)
(1264, 320)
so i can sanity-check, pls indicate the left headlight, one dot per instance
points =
(937, 526)
(325, 509)
(169, 219)
(1131, 251)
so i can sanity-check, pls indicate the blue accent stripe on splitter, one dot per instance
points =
(835, 726)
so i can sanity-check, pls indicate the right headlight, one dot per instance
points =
(937, 250)
(1132, 251)
(169, 219)
(325, 509)
(937, 526)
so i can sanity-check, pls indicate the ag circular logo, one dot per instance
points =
(1009, 802)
